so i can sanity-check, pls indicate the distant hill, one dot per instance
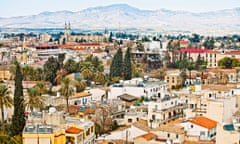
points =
(125, 16)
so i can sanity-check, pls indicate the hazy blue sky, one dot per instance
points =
(10, 8)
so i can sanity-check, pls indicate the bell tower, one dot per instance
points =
(67, 31)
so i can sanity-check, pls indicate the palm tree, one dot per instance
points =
(34, 99)
(60, 75)
(162, 73)
(86, 71)
(100, 78)
(41, 87)
(5, 100)
(66, 90)
(80, 85)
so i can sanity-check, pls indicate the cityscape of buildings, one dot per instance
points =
(115, 87)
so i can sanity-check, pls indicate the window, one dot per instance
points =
(202, 133)
(177, 136)
(129, 120)
(191, 126)
(168, 135)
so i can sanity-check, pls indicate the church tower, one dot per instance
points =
(67, 32)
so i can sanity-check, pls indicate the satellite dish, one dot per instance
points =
(52, 110)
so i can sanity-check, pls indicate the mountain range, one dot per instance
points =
(123, 16)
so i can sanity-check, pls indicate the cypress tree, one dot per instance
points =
(18, 121)
(50, 70)
(127, 65)
(116, 67)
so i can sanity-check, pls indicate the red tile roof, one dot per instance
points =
(82, 94)
(149, 136)
(194, 50)
(222, 70)
(184, 42)
(234, 52)
(33, 82)
(204, 122)
(73, 130)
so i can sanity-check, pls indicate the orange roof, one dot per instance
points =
(33, 82)
(81, 94)
(234, 52)
(149, 136)
(204, 122)
(73, 130)
(79, 48)
(222, 70)
(184, 42)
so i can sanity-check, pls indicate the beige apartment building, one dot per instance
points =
(173, 78)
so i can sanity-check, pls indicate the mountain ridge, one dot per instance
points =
(126, 16)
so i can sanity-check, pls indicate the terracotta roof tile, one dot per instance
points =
(73, 130)
(222, 70)
(235, 52)
(81, 94)
(204, 122)
(149, 136)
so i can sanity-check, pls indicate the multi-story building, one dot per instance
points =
(53, 127)
(163, 110)
(150, 88)
(173, 78)
(210, 56)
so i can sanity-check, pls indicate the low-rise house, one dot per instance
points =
(236, 120)
(169, 133)
(202, 127)
(135, 113)
(148, 138)
(127, 134)
(5, 73)
(52, 127)
(222, 76)
(82, 98)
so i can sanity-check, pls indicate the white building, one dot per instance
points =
(163, 110)
(139, 87)
(202, 127)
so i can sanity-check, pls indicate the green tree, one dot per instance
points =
(100, 78)
(61, 58)
(70, 66)
(80, 85)
(110, 37)
(18, 121)
(87, 71)
(5, 100)
(228, 62)
(116, 65)
(34, 99)
(127, 66)
(38, 74)
(66, 90)
(41, 87)
(50, 70)
(190, 67)
(60, 75)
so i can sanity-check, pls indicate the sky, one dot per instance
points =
(9, 8)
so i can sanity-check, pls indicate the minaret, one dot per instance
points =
(65, 28)
(69, 26)
(24, 52)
